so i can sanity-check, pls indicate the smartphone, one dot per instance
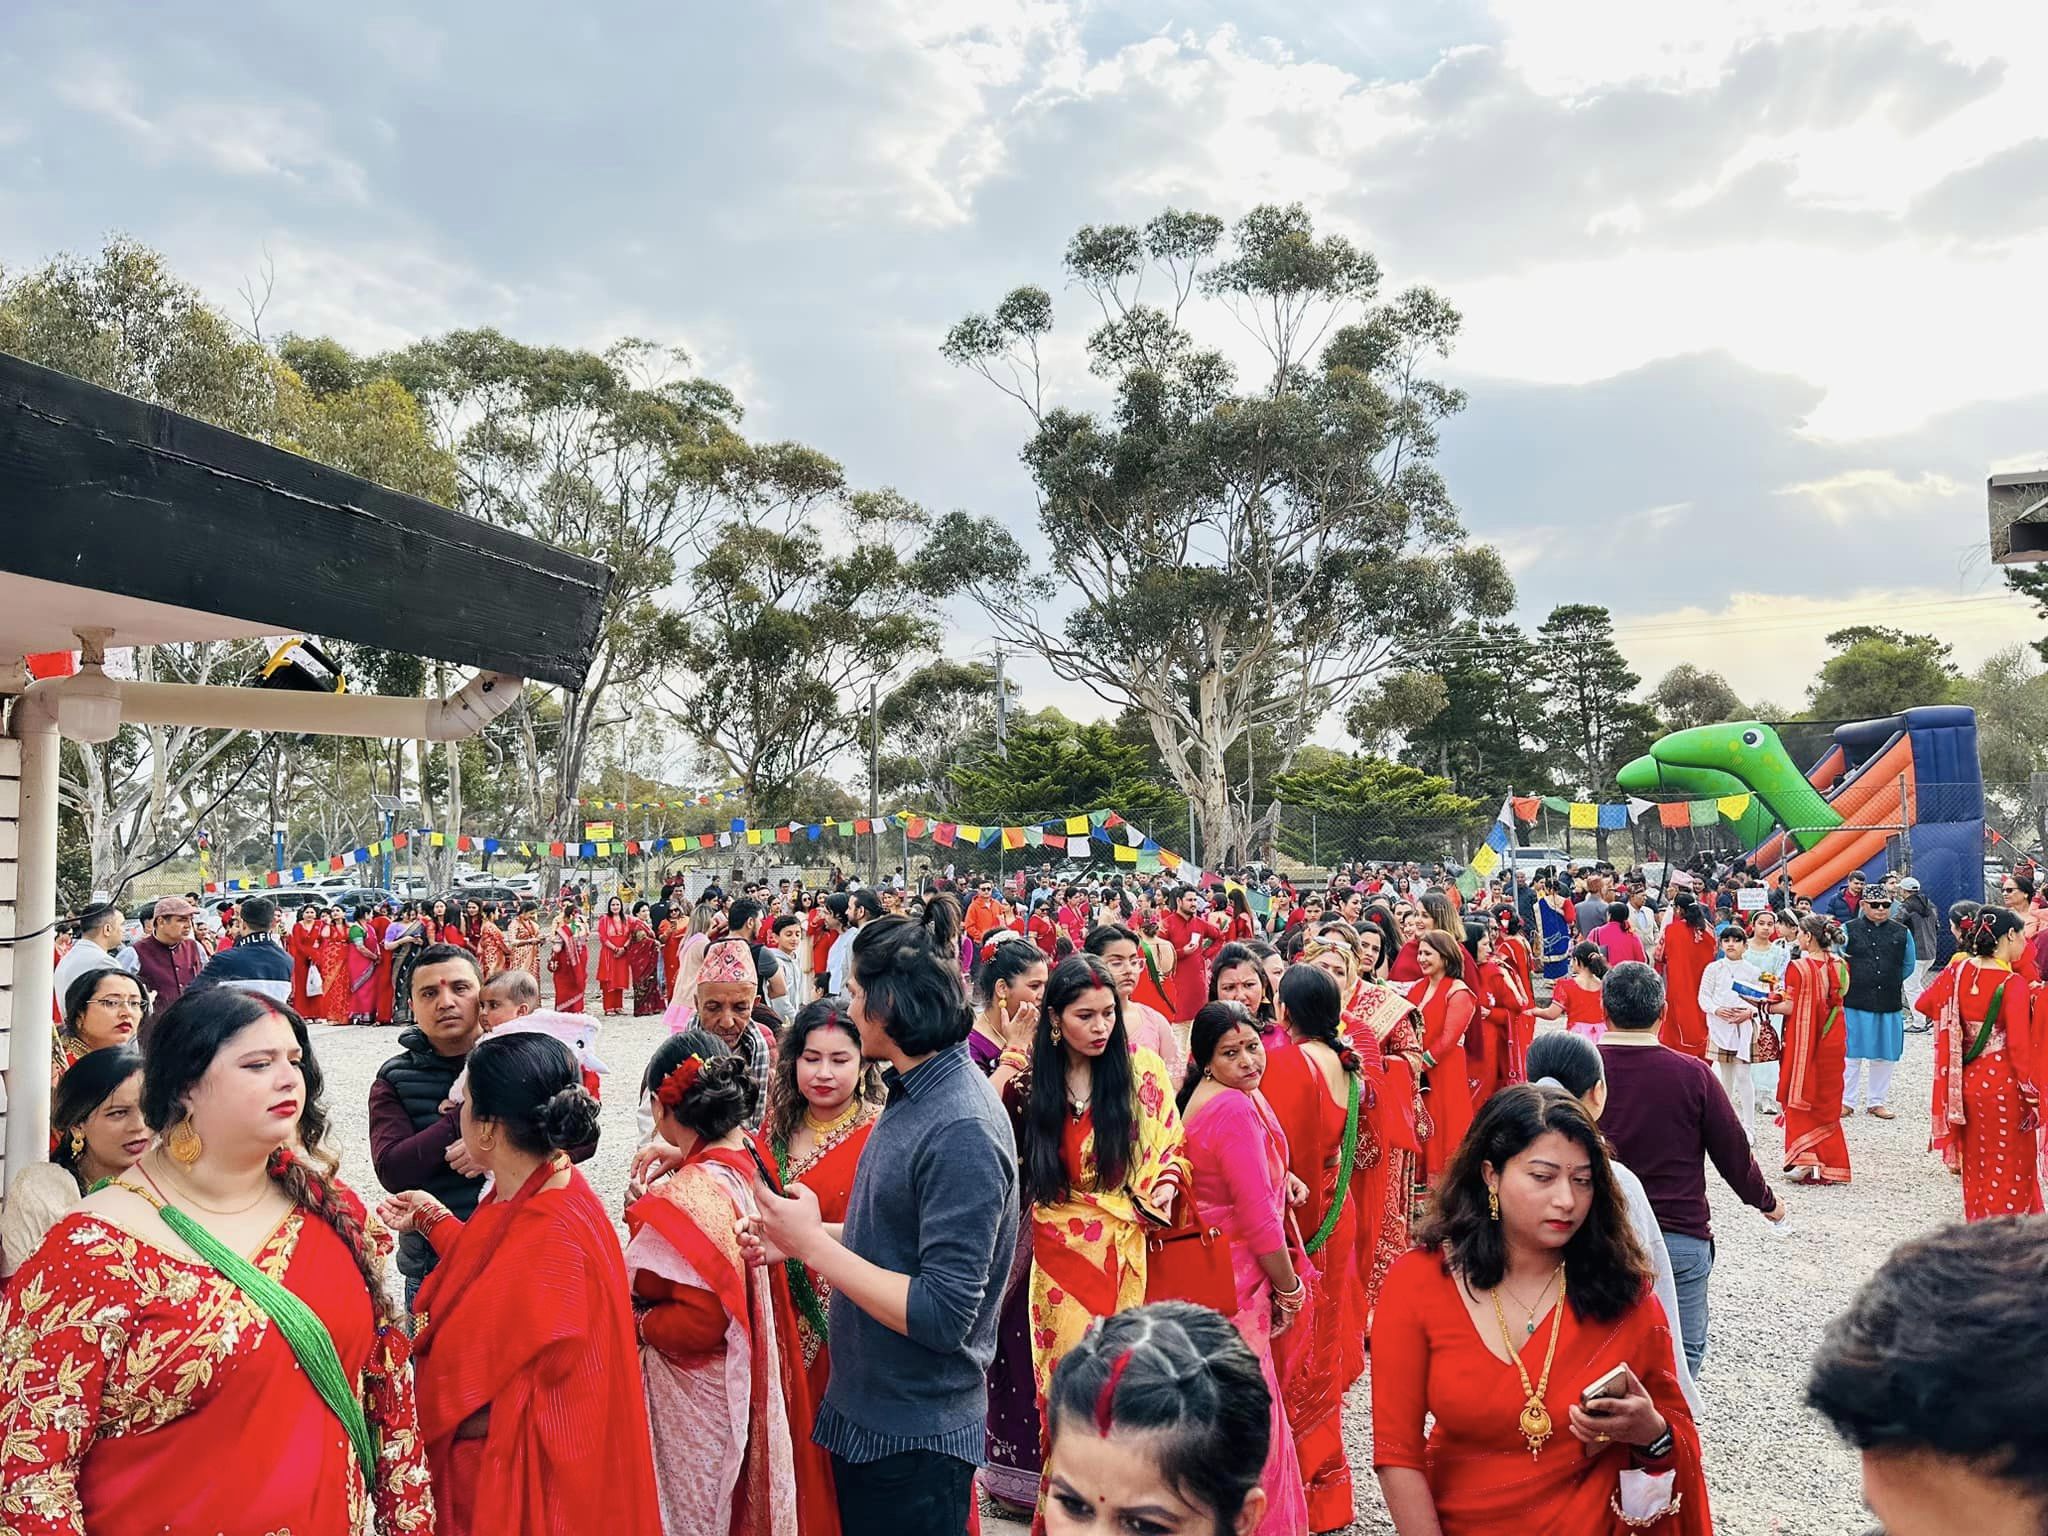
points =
(1613, 1384)
(767, 1174)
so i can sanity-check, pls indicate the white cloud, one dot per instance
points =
(286, 140)
(1860, 496)
(1769, 646)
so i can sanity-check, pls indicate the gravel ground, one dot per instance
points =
(1774, 1468)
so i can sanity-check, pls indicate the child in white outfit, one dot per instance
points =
(1731, 1021)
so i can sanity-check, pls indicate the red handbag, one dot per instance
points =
(1190, 1261)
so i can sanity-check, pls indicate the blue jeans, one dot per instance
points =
(1692, 1260)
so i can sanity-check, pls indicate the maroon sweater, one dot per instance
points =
(1666, 1115)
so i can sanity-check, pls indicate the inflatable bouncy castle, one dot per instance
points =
(1904, 790)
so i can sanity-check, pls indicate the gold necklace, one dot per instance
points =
(1535, 1420)
(837, 1123)
(214, 1210)
(1523, 1307)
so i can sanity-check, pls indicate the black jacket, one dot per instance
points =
(414, 1083)
(1877, 965)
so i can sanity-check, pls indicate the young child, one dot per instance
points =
(511, 1000)
(1158, 1412)
(507, 996)
(1575, 997)
(1731, 1018)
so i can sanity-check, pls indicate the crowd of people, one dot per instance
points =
(1092, 1196)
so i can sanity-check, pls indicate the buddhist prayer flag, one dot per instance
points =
(1013, 837)
(1734, 807)
(1077, 824)
(1585, 814)
(1526, 806)
(1674, 813)
(1124, 853)
(1704, 813)
(1613, 817)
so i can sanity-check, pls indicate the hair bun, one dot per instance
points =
(569, 1119)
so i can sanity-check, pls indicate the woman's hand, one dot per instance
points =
(1297, 1191)
(410, 1210)
(1631, 1419)
(652, 1163)
(1019, 1025)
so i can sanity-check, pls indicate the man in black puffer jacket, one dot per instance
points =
(416, 1143)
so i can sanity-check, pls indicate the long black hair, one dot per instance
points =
(1606, 1272)
(785, 1100)
(1110, 1085)
(1180, 1376)
(85, 1086)
(196, 1029)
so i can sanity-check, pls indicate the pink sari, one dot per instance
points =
(1239, 1156)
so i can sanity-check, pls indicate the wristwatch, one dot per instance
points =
(1658, 1448)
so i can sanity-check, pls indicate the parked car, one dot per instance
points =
(493, 891)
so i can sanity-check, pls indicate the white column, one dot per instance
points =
(35, 912)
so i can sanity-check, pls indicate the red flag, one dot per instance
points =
(400, 841)
(915, 827)
(862, 826)
(271, 878)
(782, 834)
(337, 862)
(555, 850)
(1527, 807)
(706, 840)
(944, 833)
(633, 845)
(462, 843)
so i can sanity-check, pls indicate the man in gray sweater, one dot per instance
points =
(917, 1269)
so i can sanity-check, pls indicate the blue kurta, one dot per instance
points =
(1878, 1036)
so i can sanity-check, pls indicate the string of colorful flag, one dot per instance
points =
(1591, 816)
(1075, 836)
(1587, 815)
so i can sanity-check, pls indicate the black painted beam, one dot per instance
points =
(99, 490)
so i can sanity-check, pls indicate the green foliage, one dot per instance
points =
(787, 633)
(1475, 719)
(1878, 671)
(1370, 808)
(1228, 560)
(1592, 726)
(938, 717)
(1690, 696)
(1058, 768)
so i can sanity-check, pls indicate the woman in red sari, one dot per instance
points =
(727, 1394)
(643, 961)
(1684, 950)
(441, 926)
(1507, 1011)
(1813, 1059)
(529, 1389)
(1987, 1068)
(300, 944)
(332, 1006)
(1448, 1007)
(1315, 1084)
(822, 1102)
(1514, 949)
(568, 961)
(1528, 1288)
(363, 955)
(140, 1345)
(493, 951)
(384, 999)
(614, 972)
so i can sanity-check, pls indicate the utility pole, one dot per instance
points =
(1002, 711)
(874, 775)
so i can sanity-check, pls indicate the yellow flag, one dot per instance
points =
(1733, 806)
(1124, 855)
(1484, 862)
(1077, 825)
(970, 834)
(754, 836)
(1585, 814)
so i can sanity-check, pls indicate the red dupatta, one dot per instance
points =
(527, 1317)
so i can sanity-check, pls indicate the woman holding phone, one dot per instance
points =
(1525, 1324)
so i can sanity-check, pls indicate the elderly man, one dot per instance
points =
(99, 944)
(1666, 1115)
(167, 958)
(728, 988)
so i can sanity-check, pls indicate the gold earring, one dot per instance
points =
(183, 1143)
(1493, 1204)
(1056, 1037)
(77, 1141)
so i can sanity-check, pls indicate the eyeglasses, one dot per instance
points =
(118, 1004)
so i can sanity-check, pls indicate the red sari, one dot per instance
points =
(526, 1319)
(828, 1174)
(643, 954)
(332, 959)
(1497, 1044)
(121, 1430)
(1687, 954)
(1979, 1103)
(299, 943)
(1448, 1011)
(493, 954)
(1383, 1026)
(727, 1393)
(1323, 1354)
(569, 965)
(614, 971)
(385, 999)
(1811, 1067)
(1428, 1359)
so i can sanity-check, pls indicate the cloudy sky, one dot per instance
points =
(1752, 291)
